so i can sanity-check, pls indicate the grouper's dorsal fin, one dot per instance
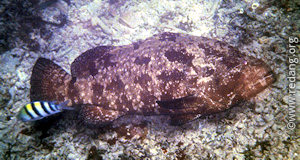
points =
(89, 62)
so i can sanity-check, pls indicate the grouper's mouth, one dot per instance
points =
(265, 81)
(255, 79)
(270, 77)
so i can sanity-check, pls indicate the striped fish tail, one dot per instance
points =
(64, 106)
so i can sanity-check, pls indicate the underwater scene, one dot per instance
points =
(153, 80)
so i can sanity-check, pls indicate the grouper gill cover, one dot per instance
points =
(172, 74)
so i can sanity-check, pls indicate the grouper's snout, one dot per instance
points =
(270, 77)
(255, 79)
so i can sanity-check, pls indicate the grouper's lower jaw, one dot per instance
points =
(254, 80)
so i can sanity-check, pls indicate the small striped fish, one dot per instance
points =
(40, 109)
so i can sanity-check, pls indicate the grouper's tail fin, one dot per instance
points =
(49, 82)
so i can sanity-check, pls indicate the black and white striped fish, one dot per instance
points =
(40, 109)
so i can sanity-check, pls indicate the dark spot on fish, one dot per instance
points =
(167, 92)
(230, 61)
(147, 98)
(217, 81)
(174, 75)
(233, 59)
(207, 49)
(222, 50)
(116, 85)
(97, 89)
(73, 91)
(167, 37)
(180, 56)
(105, 59)
(142, 60)
(143, 80)
(230, 57)
(123, 101)
(103, 102)
(92, 60)
(92, 69)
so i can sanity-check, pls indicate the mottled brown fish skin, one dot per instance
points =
(170, 73)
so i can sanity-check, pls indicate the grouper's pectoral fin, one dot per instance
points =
(182, 110)
(186, 109)
(180, 103)
(98, 116)
(183, 119)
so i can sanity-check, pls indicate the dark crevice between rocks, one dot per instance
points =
(20, 18)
